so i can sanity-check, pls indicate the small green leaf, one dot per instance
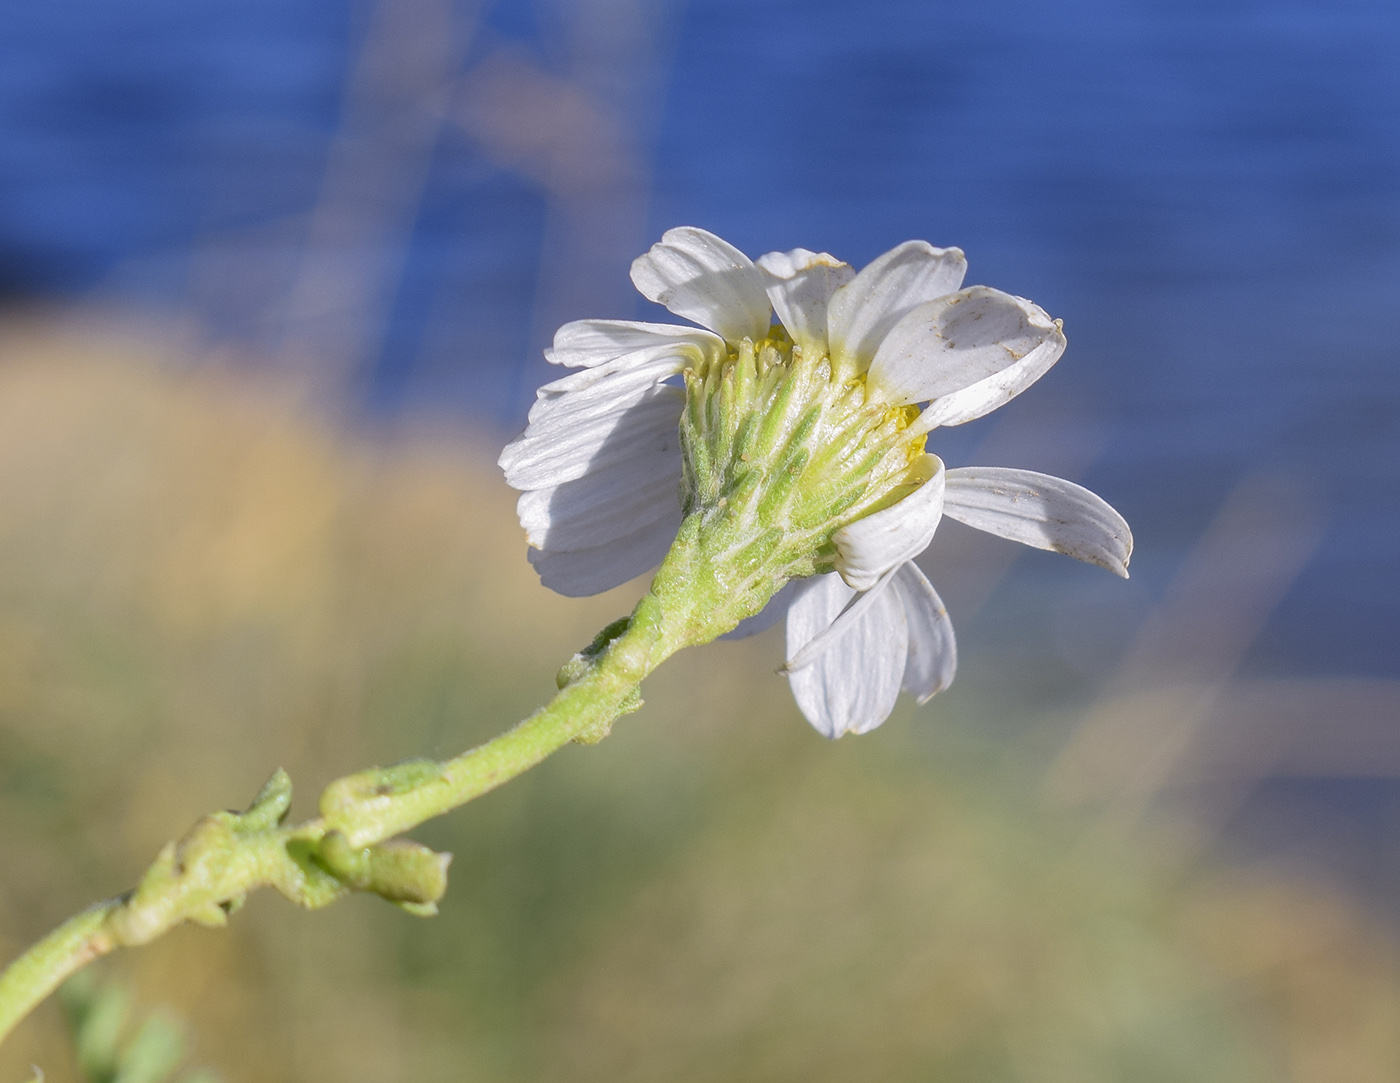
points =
(400, 870)
(270, 807)
(97, 1014)
(154, 1054)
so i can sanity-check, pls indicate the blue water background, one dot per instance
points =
(1207, 193)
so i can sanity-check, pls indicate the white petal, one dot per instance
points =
(560, 449)
(933, 651)
(706, 279)
(800, 285)
(864, 311)
(992, 393)
(603, 504)
(815, 605)
(870, 547)
(774, 611)
(585, 343)
(852, 687)
(608, 388)
(1040, 510)
(969, 352)
(844, 622)
(579, 573)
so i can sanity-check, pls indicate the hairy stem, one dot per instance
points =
(40, 970)
(351, 845)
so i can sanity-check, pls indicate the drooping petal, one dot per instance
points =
(579, 573)
(815, 605)
(603, 504)
(844, 622)
(800, 285)
(870, 547)
(864, 311)
(585, 343)
(550, 454)
(774, 611)
(968, 352)
(706, 279)
(1040, 510)
(852, 686)
(933, 650)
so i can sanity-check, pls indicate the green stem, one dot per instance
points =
(206, 875)
(40, 970)
(378, 811)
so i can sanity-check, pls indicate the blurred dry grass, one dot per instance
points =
(199, 582)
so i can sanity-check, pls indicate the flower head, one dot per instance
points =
(794, 454)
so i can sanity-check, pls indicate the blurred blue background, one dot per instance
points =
(399, 200)
(416, 194)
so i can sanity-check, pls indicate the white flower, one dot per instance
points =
(605, 482)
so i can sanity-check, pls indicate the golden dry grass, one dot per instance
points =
(198, 582)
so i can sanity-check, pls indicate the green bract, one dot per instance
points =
(779, 452)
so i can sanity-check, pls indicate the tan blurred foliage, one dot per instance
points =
(200, 581)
